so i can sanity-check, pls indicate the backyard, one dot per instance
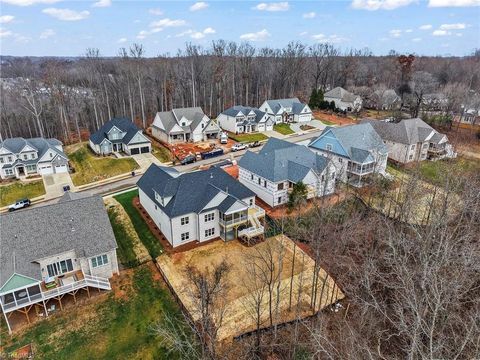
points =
(435, 172)
(18, 190)
(90, 168)
(114, 325)
(247, 138)
(283, 128)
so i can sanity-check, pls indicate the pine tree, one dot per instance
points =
(313, 102)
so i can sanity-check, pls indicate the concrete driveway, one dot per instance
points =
(145, 160)
(314, 123)
(54, 184)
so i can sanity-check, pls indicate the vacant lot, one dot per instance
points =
(90, 168)
(332, 119)
(437, 171)
(296, 273)
(247, 138)
(18, 190)
(283, 129)
(162, 153)
(115, 325)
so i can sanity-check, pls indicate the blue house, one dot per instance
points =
(356, 150)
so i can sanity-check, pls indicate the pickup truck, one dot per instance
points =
(19, 204)
(238, 147)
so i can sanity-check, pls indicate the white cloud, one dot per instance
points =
(395, 33)
(453, 3)
(209, 30)
(309, 15)
(452, 26)
(416, 39)
(440, 33)
(373, 5)
(280, 6)
(155, 11)
(5, 33)
(66, 14)
(163, 23)
(102, 3)
(303, 33)
(143, 34)
(201, 5)
(408, 30)
(4, 19)
(425, 27)
(122, 40)
(183, 33)
(333, 39)
(29, 2)
(197, 35)
(257, 36)
(47, 33)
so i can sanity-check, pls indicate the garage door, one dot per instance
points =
(269, 127)
(61, 169)
(45, 170)
(135, 151)
(261, 127)
(145, 149)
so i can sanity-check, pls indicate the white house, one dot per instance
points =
(412, 140)
(184, 125)
(343, 99)
(242, 119)
(356, 151)
(52, 251)
(119, 135)
(21, 157)
(273, 172)
(287, 110)
(199, 206)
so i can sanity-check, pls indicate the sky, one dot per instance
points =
(69, 27)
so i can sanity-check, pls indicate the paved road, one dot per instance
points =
(130, 182)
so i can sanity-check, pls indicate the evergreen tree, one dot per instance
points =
(313, 102)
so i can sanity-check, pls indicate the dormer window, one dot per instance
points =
(32, 156)
(328, 147)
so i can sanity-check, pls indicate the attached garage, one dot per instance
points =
(261, 127)
(60, 169)
(145, 149)
(134, 151)
(45, 169)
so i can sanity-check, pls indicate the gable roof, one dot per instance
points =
(341, 94)
(280, 160)
(245, 110)
(190, 192)
(407, 131)
(17, 281)
(293, 103)
(357, 140)
(34, 233)
(41, 145)
(169, 119)
(123, 124)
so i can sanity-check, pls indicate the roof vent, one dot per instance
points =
(211, 175)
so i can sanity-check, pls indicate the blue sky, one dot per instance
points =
(67, 28)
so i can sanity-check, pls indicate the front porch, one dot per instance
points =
(178, 137)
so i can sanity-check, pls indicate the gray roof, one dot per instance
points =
(341, 94)
(280, 160)
(191, 191)
(407, 131)
(171, 118)
(387, 97)
(32, 234)
(357, 140)
(245, 110)
(15, 145)
(124, 124)
(293, 103)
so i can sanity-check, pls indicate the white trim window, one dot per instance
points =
(185, 236)
(328, 147)
(60, 267)
(209, 232)
(8, 172)
(209, 217)
(184, 220)
(99, 260)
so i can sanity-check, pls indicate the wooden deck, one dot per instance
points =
(76, 275)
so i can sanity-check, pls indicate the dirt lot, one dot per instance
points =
(332, 119)
(239, 315)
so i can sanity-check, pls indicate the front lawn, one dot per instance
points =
(149, 240)
(162, 153)
(18, 190)
(328, 123)
(247, 138)
(118, 326)
(90, 168)
(283, 128)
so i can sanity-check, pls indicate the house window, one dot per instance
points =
(265, 183)
(425, 145)
(9, 159)
(328, 147)
(156, 207)
(31, 168)
(340, 160)
(32, 156)
(410, 157)
(60, 267)
(1, 161)
(209, 217)
(203, 125)
(51, 155)
(279, 200)
(259, 181)
(99, 261)
(333, 176)
(185, 236)
(251, 175)
(184, 220)
(412, 147)
(251, 202)
(280, 186)
(209, 232)
(8, 172)
(25, 156)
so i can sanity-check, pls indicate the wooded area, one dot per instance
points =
(67, 98)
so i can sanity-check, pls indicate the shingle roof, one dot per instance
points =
(124, 124)
(293, 103)
(15, 145)
(190, 192)
(31, 234)
(341, 94)
(245, 110)
(171, 118)
(357, 140)
(407, 131)
(280, 160)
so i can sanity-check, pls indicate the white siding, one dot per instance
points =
(227, 122)
(158, 216)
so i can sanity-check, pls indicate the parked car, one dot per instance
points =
(223, 138)
(255, 144)
(238, 147)
(188, 159)
(211, 153)
(19, 204)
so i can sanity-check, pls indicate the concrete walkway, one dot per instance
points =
(54, 184)
(145, 160)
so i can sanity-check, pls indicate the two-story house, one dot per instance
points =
(411, 140)
(199, 206)
(343, 99)
(243, 119)
(356, 150)
(273, 172)
(21, 157)
(52, 251)
(184, 125)
(119, 135)
(287, 110)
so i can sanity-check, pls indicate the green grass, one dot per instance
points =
(436, 171)
(119, 328)
(18, 190)
(125, 251)
(283, 128)
(162, 153)
(328, 123)
(247, 138)
(148, 239)
(89, 167)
